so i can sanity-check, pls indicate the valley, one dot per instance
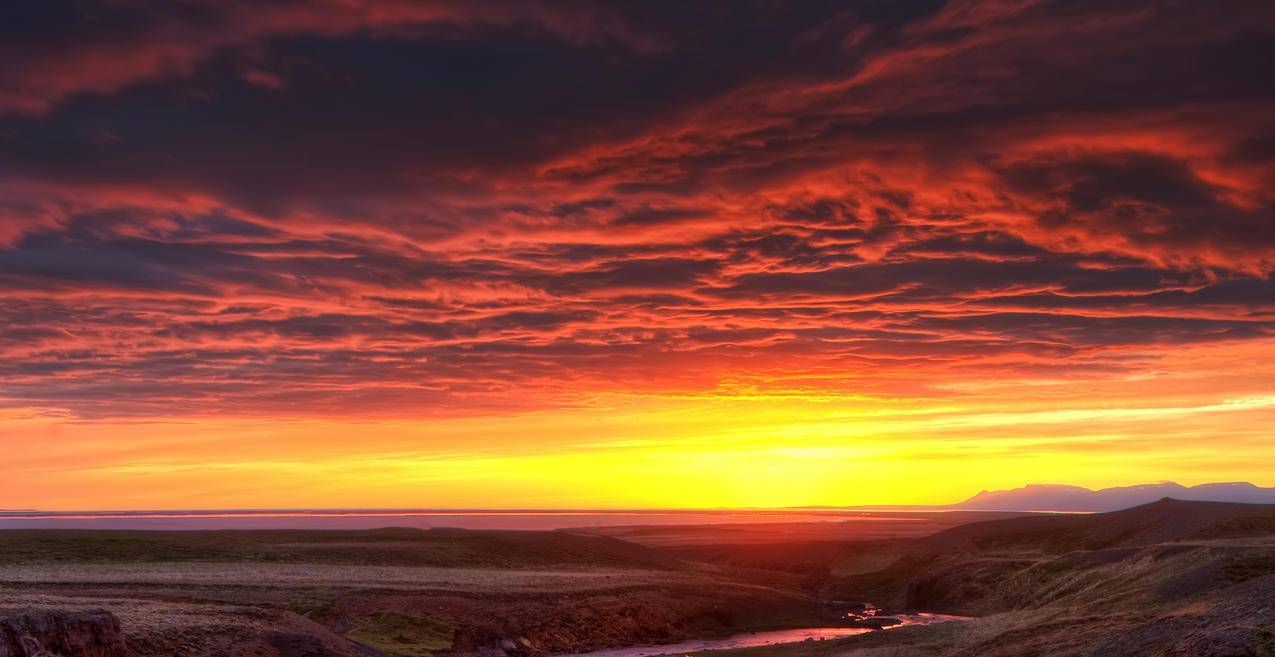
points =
(1170, 578)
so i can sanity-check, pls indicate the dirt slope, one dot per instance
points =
(1168, 579)
(1158, 522)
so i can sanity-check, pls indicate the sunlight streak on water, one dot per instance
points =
(771, 638)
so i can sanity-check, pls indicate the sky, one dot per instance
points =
(336, 253)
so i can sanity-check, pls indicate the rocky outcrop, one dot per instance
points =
(46, 633)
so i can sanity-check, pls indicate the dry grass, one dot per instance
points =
(254, 575)
(403, 635)
(443, 548)
(191, 629)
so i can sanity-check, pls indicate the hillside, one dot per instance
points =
(1162, 521)
(1152, 580)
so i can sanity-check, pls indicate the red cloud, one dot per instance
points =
(873, 207)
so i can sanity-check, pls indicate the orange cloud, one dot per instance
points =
(879, 244)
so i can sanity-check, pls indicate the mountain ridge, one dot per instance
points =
(1069, 498)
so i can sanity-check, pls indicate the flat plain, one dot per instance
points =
(395, 591)
(1169, 579)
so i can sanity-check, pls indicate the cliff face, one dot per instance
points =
(43, 633)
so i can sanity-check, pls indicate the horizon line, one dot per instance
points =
(339, 511)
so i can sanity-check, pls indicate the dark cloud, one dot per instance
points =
(1145, 198)
(422, 206)
(647, 215)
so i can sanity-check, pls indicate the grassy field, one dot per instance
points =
(1169, 579)
(301, 575)
(397, 592)
(404, 635)
(448, 548)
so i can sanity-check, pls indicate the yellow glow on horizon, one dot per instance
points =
(725, 454)
(625, 450)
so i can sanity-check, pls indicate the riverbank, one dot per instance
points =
(779, 637)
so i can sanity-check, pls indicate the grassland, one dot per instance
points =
(398, 592)
(308, 575)
(404, 635)
(444, 548)
(1166, 580)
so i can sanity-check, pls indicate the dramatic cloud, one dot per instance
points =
(416, 210)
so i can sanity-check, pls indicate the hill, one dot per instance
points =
(1158, 522)
(1168, 578)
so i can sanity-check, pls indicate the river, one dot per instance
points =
(770, 638)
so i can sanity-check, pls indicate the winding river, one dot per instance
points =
(770, 638)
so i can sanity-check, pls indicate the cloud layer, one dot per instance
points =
(423, 210)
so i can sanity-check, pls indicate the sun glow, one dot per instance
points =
(626, 451)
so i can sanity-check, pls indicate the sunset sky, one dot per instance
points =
(332, 253)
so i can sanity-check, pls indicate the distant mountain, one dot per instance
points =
(1146, 560)
(1056, 497)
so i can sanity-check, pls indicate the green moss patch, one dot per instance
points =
(403, 635)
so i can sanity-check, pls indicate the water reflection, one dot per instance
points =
(777, 637)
